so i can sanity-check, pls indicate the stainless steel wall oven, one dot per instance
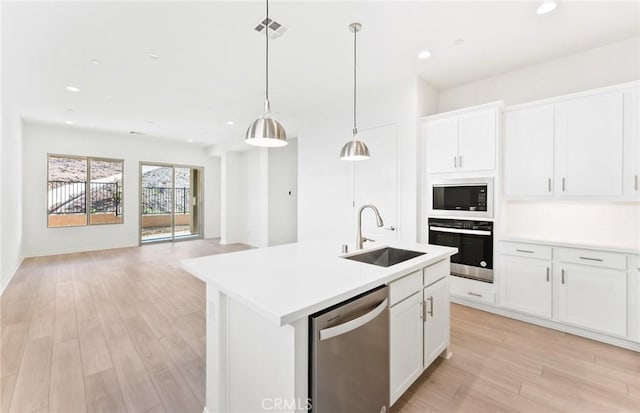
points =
(474, 240)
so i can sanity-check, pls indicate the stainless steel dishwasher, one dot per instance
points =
(349, 355)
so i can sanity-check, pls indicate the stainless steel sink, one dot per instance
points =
(385, 257)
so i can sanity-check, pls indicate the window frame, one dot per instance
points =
(87, 189)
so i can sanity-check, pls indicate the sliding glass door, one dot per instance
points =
(170, 197)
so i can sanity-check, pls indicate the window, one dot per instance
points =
(71, 178)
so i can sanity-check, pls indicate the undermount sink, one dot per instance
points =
(385, 257)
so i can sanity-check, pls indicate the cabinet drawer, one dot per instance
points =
(436, 272)
(527, 250)
(472, 290)
(404, 287)
(594, 258)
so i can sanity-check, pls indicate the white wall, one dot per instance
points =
(325, 209)
(40, 139)
(601, 223)
(233, 198)
(607, 65)
(283, 194)
(256, 163)
(257, 209)
(11, 189)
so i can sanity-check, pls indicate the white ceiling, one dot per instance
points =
(211, 63)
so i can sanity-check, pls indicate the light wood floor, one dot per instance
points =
(123, 331)
(110, 331)
(504, 365)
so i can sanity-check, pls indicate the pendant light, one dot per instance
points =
(354, 150)
(266, 131)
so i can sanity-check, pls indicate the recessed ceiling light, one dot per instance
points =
(153, 56)
(72, 89)
(96, 62)
(68, 122)
(230, 123)
(190, 140)
(546, 7)
(425, 54)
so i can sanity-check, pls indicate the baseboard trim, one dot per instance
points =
(13, 273)
(614, 341)
(74, 250)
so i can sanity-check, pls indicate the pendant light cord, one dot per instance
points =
(355, 129)
(266, 63)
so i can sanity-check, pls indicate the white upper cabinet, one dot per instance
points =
(442, 152)
(477, 141)
(462, 142)
(631, 162)
(528, 154)
(583, 146)
(589, 145)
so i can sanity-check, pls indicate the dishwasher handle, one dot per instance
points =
(343, 328)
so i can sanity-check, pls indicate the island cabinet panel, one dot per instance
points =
(405, 344)
(436, 320)
(419, 322)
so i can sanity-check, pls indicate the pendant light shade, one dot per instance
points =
(266, 131)
(354, 150)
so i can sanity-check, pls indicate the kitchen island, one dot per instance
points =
(258, 304)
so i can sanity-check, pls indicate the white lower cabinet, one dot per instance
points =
(405, 334)
(418, 325)
(527, 285)
(436, 320)
(590, 289)
(593, 297)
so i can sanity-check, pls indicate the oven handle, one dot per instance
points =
(461, 231)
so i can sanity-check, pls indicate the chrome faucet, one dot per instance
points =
(359, 238)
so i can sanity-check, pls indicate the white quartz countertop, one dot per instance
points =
(288, 282)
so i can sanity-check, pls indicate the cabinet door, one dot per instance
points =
(527, 283)
(477, 141)
(593, 297)
(631, 179)
(442, 145)
(436, 322)
(405, 344)
(528, 156)
(589, 138)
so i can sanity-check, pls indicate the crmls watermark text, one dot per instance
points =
(280, 404)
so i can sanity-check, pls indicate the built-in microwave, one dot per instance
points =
(470, 197)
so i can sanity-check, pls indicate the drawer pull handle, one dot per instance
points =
(563, 185)
(547, 274)
(430, 312)
(562, 276)
(422, 316)
(455, 161)
(635, 185)
(591, 259)
(527, 251)
(549, 184)
(474, 294)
